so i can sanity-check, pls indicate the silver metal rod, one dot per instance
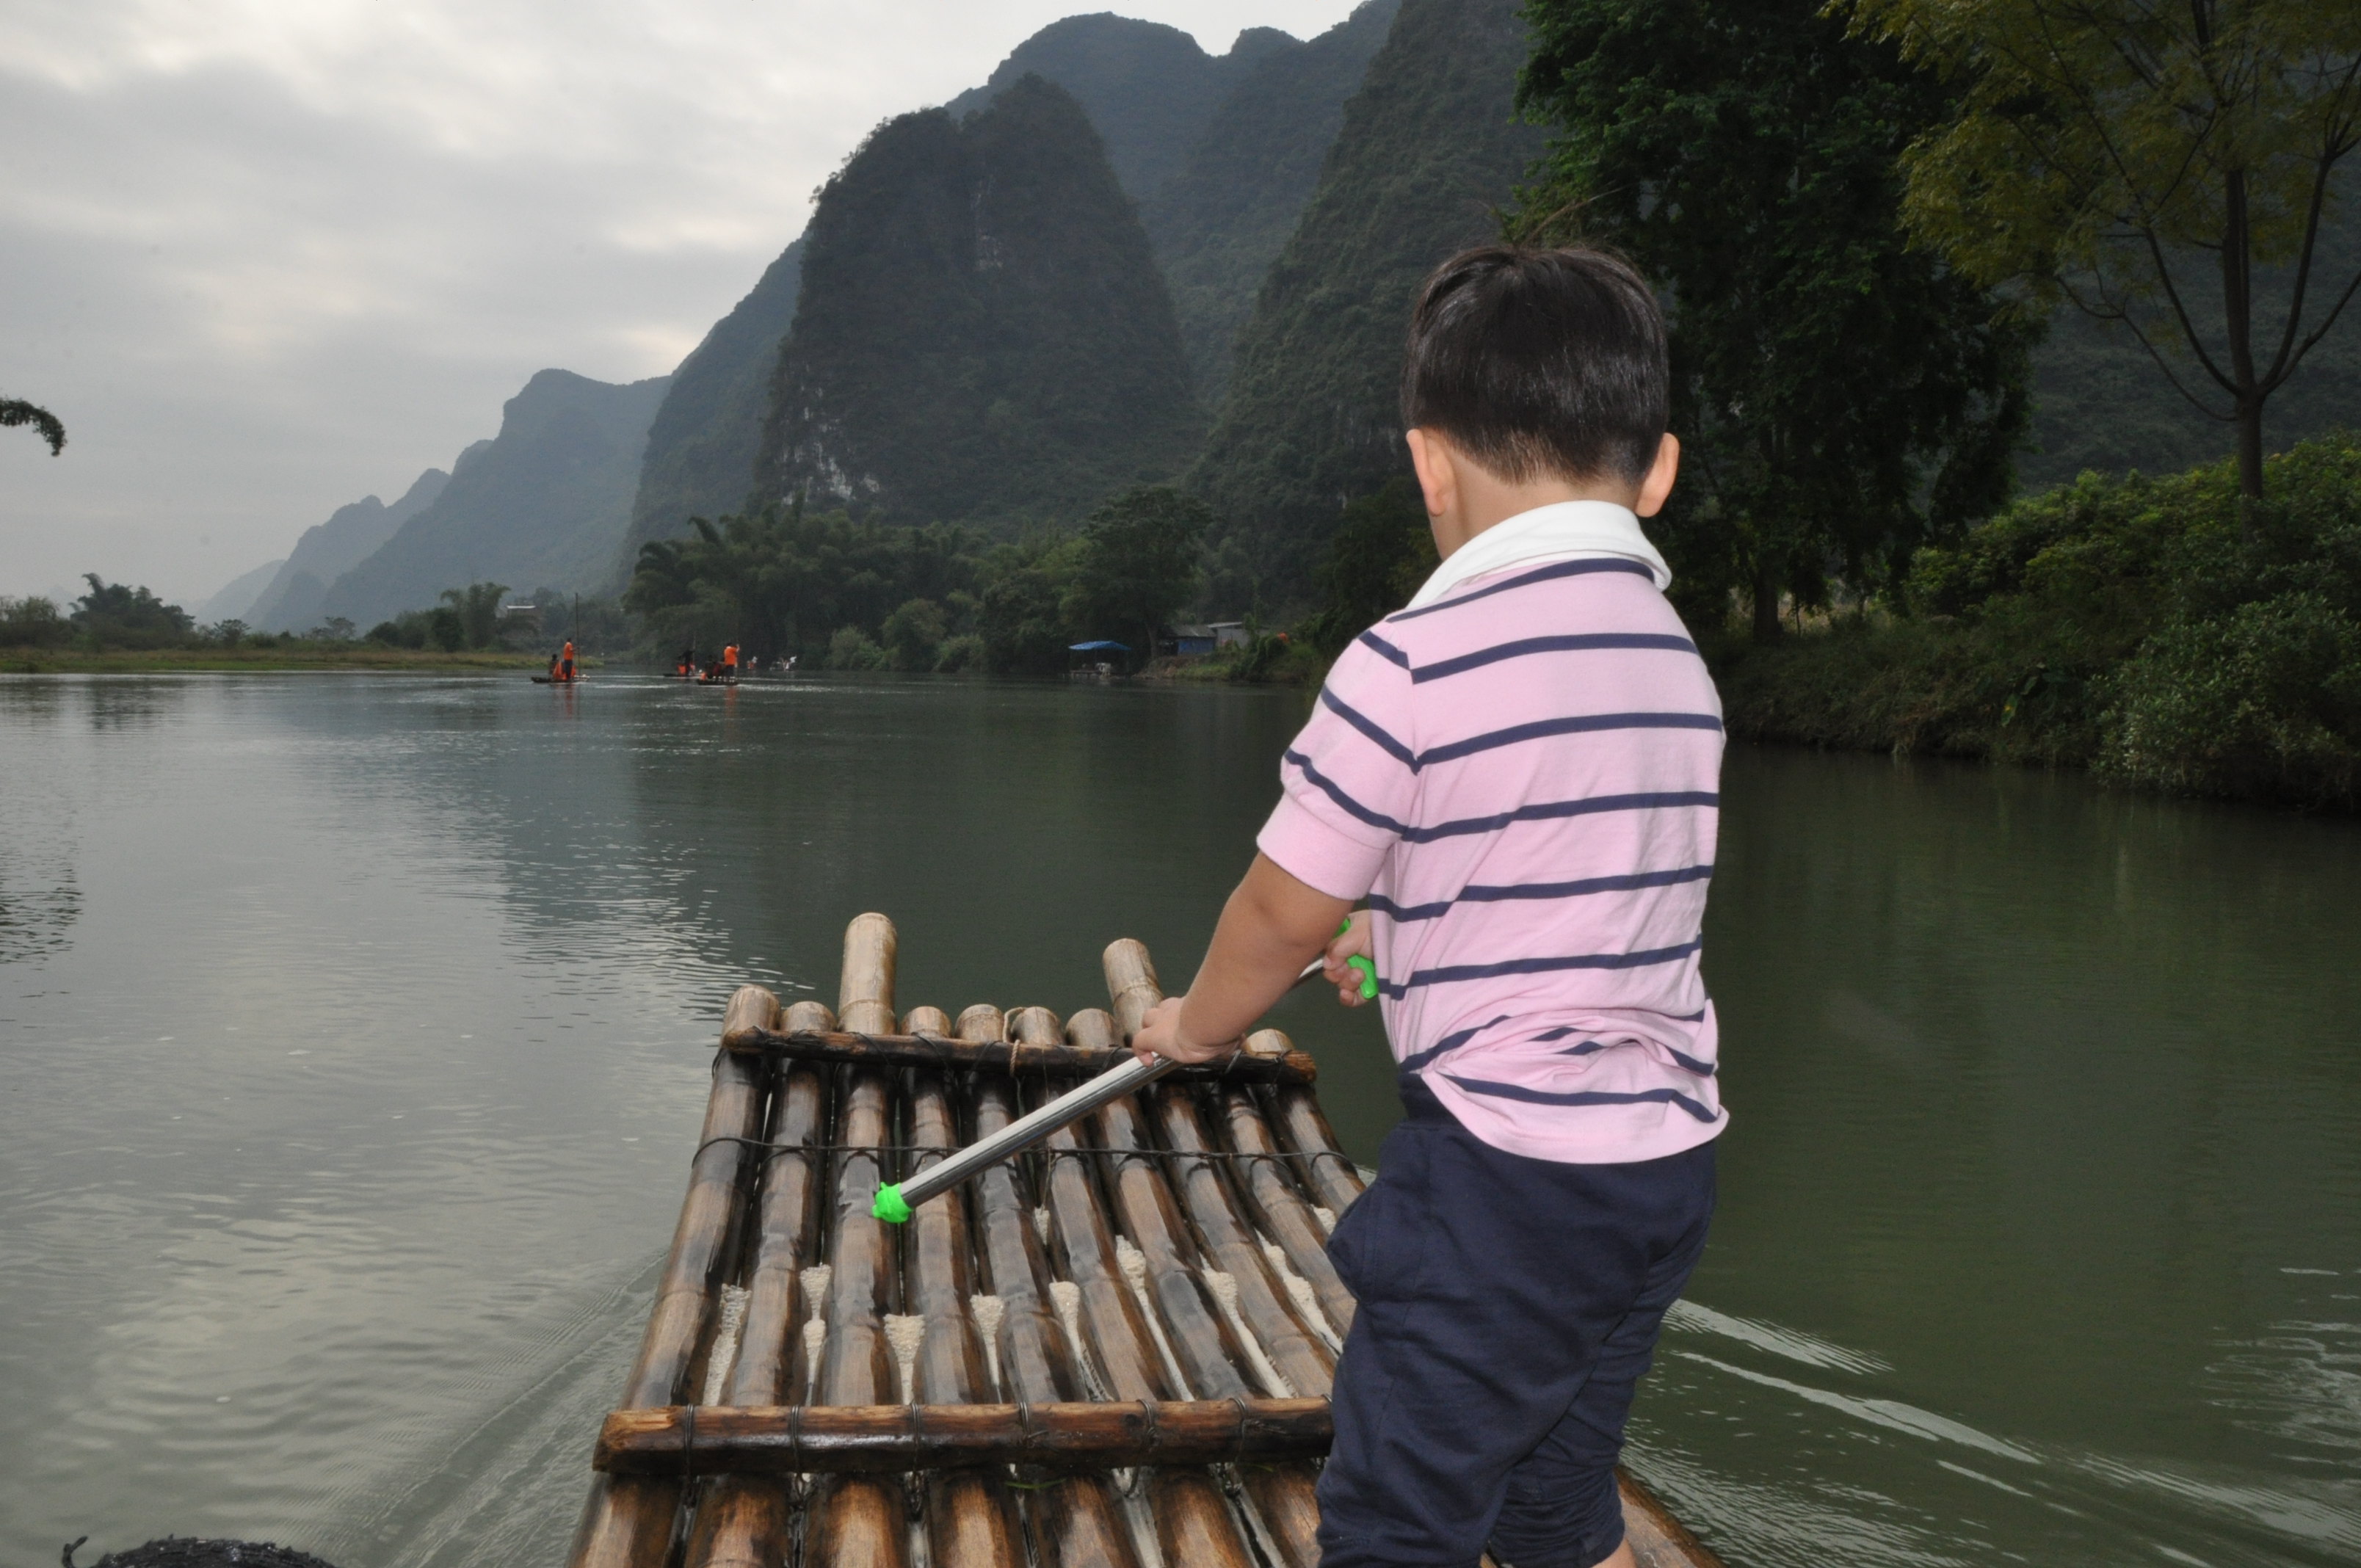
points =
(1031, 1129)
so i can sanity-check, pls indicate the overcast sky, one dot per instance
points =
(267, 257)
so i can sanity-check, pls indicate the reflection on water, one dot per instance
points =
(352, 1066)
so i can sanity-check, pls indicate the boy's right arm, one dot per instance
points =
(1272, 925)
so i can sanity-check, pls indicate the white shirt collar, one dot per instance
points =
(1561, 531)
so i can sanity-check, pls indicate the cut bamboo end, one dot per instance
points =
(1132, 985)
(751, 1008)
(864, 991)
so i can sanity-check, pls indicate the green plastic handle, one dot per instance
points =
(1367, 966)
(889, 1206)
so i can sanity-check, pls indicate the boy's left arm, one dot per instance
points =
(1272, 925)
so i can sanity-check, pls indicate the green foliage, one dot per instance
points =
(1429, 147)
(478, 607)
(116, 615)
(445, 629)
(48, 426)
(782, 581)
(915, 634)
(1382, 550)
(2165, 631)
(964, 651)
(2099, 140)
(982, 337)
(1842, 396)
(32, 622)
(1023, 629)
(1136, 566)
(854, 649)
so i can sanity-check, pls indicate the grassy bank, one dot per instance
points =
(2161, 632)
(194, 661)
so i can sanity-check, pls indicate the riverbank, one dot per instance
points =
(2159, 632)
(357, 656)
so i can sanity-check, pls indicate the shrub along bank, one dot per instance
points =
(2158, 631)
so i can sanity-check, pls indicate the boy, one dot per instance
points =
(1520, 771)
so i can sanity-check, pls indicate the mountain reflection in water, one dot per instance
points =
(357, 1030)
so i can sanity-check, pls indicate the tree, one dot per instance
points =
(1841, 396)
(16, 412)
(1137, 564)
(914, 633)
(2102, 143)
(477, 606)
(120, 614)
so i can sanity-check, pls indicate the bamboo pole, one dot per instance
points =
(746, 1521)
(1282, 1493)
(891, 1049)
(1076, 1518)
(1194, 1526)
(971, 1519)
(1208, 1354)
(628, 1523)
(1117, 1334)
(1091, 1435)
(1658, 1540)
(1333, 1179)
(857, 1521)
(1280, 1209)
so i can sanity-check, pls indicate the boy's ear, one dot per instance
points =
(1431, 457)
(1657, 488)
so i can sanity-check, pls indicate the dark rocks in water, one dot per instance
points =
(188, 1551)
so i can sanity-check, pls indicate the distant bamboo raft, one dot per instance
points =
(1114, 1352)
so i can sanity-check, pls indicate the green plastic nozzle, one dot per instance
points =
(1367, 966)
(889, 1206)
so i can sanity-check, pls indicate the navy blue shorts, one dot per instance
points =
(1508, 1307)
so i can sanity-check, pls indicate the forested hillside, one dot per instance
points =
(707, 434)
(983, 336)
(1427, 151)
(1220, 221)
(545, 501)
(297, 597)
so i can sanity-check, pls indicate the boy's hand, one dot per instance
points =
(1159, 1036)
(1353, 942)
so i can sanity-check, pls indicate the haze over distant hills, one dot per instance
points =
(544, 503)
(297, 595)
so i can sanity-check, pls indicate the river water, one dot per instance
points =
(354, 1035)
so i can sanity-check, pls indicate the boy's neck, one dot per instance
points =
(1464, 498)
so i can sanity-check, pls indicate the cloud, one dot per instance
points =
(267, 256)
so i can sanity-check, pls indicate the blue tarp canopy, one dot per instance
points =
(1099, 647)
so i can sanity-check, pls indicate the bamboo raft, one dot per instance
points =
(1113, 1353)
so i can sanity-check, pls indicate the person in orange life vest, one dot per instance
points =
(565, 662)
(729, 662)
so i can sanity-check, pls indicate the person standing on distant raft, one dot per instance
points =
(566, 664)
(1520, 770)
(729, 662)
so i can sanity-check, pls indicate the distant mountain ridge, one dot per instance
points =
(983, 336)
(1218, 152)
(709, 431)
(295, 599)
(1429, 149)
(544, 503)
(234, 599)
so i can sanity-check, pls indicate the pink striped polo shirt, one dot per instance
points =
(1523, 779)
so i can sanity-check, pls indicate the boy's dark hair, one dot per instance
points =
(1539, 363)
